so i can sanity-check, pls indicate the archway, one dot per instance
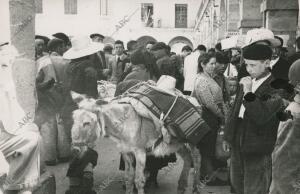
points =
(142, 41)
(178, 42)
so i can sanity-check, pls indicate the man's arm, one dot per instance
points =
(261, 109)
(40, 84)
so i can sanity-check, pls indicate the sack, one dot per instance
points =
(221, 154)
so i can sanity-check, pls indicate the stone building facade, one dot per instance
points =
(170, 21)
(232, 17)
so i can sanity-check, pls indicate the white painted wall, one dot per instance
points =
(88, 19)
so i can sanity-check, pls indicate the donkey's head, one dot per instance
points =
(88, 121)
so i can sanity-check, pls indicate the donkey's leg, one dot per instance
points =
(187, 160)
(129, 172)
(197, 163)
(140, 179)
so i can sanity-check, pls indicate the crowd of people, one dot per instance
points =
(250, 98)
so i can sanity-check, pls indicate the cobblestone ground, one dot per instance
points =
(108, 179)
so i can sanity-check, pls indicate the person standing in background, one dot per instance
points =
(99, 58)
(97, 37)
(117, 63)
(179, 63)
(190, 69)
(50, 97)
(149, 45)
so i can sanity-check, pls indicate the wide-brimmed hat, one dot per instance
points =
(82, 46)
(261, 34)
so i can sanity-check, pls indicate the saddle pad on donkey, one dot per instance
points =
(184, 118)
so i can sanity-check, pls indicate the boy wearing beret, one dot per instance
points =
(251, 128)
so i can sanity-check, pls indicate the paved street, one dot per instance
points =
(108, 177)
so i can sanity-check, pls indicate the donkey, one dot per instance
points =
(134, 135)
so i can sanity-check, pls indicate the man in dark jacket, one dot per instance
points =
(279, 65)
(99, 57)
(81, 77)
(251, 129)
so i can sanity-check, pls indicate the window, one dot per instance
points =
(70, 6)
(103, 7)
(180, 15)
(147, 14)
(38, 6)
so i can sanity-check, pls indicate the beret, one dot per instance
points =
(158, 46)
(257, 52)
(96, 35)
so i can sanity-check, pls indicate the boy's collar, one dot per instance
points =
(265, 74)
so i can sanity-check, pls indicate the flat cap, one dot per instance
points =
(96, 35)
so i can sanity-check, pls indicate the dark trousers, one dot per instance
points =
(250, 174)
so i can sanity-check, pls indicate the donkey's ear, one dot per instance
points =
(77, 98)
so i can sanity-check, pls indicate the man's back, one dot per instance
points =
(59, 65)
(190, 70)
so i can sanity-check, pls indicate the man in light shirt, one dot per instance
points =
(190, 69)
(251, 129)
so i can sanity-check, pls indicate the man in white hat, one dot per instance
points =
(81, 66)
(80, 76)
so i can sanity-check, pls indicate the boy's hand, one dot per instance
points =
(247, 84)
(226, 146)
(123, 56)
